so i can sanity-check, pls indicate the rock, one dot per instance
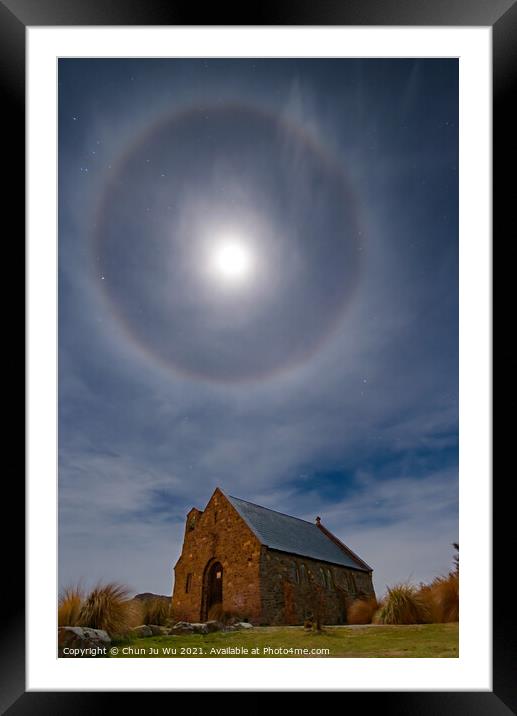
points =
(82, 642)
(232, 621)
(158, 630)
(181, 628)
(141, 631)
(199, 627)
(188, 628)
(235, 626)
(214, 625)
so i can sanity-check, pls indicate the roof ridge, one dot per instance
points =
(270, 509)
(355, 557)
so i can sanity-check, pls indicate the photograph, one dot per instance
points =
(258, 357)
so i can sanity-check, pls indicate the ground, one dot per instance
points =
(424, 641)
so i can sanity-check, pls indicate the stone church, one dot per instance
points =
(242, 559)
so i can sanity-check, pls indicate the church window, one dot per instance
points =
(296, 575)
(303, 573)
(188, 583)
(351, 582)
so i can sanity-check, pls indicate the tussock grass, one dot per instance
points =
(447, 594)
(107, 607)
(376, 616)
(442, 598)
(403, 604)
(155, 611)
(135, 613)
(217, 613)
(361, 611)
(69, 606)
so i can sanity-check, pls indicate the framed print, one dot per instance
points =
(259, 338)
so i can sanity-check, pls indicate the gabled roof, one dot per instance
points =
(294, 535)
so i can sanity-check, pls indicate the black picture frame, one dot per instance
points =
(501, 15)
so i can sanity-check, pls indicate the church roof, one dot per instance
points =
(294, 535)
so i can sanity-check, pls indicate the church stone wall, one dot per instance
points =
(294, 587)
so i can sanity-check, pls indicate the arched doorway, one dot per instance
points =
(212, 588)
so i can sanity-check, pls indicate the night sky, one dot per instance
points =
(258, 290)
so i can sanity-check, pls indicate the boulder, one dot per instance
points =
(158, 630)
(82, 642)
(188, 628)
(232, 621)
(199, 627)
(214, 625)
(141, 631)
(181, 628)
(236, 626)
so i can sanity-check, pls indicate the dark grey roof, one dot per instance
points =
(291, 534)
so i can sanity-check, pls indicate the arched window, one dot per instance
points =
(303, 573)
(329, 579)
(323, 578)
(351, 582)
(296, 575)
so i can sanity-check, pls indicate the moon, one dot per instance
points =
(231, 261)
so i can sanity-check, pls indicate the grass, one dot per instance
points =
(107, 607)
(404, 605)
(442, 598)
(69, 608)
(361, 611)
(154, 611)
(217, 613)
(414, 641)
